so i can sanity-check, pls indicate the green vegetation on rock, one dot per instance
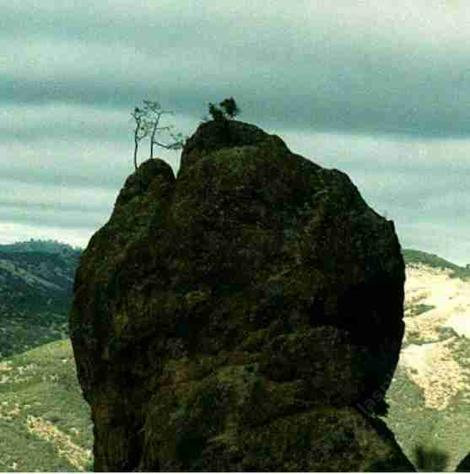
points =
(433, 261)
(44, 422)
(235, 317)
(418, 309)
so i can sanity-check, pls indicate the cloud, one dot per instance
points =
(378, 89)
(420, 184)
(397, 68)
(14, 232)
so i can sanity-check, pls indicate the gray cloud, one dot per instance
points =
(394, 69)
(378, 89)
(49, 217)
(421, 184)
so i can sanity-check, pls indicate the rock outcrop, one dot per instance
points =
(245, 316)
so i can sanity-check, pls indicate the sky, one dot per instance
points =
(380, 90)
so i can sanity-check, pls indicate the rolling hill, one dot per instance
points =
(429, 397)
(36, 281)
(45, 423)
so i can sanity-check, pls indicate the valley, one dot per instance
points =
(45, 423)
(36, 281)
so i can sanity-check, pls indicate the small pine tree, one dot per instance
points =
(230, 107)
(216, 114)
(226, 110)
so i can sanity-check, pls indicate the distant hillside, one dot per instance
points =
(429, 397)
(42, 246)
(431, 260)
(44, 421)
(36, 281)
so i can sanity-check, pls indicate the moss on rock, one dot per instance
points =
(240, 316)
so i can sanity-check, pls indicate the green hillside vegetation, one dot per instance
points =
(20, 331)
(418, 309)
(44, 421)
(36, 280)
(42, 246)
(416, 425)
(431, 260)
(431, 434)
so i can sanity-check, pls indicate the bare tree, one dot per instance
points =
(153, 116)
(140, 130)
(148, 125)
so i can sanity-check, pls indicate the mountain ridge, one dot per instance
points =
(36, 282)
(415, 411)
(40, 245)
(413, 257)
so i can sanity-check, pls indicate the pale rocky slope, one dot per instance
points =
(429, 397)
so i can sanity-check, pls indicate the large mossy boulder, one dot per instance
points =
(244, 316)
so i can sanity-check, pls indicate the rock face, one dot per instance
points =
(245, 316)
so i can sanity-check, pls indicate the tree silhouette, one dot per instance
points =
(230, 107)
(140, 130)
(226, 110)
(216, 113)
(153, 116)
(148, 125)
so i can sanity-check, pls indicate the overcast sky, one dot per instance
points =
(380, 90)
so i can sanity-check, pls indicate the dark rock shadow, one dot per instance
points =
(464, 464)
(428, 459)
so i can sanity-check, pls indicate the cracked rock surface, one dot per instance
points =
(246, 315)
